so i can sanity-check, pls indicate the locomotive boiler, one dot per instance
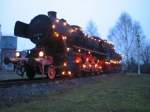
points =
(62, 50)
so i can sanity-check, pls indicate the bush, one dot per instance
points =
(145, 68)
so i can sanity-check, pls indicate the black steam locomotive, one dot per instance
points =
(62, 50)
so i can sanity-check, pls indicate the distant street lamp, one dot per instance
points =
(138, 45)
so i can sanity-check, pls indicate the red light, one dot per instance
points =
(78, 59)
(100, 67)
(87, 59)
(84, 66)
(96, 65)
(90, 65)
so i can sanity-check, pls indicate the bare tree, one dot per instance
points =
(122, 35)
(91, 29)
(138, 43)
(138, 37)
(128, 37)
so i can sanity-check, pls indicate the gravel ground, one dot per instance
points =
(23, 92)
(9, 75)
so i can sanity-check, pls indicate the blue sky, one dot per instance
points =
(104, 13)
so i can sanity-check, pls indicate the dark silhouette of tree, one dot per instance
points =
(91, 29)
(132, 65)
(145, 54)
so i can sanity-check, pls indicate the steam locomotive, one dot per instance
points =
(62, 50)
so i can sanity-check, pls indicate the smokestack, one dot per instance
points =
(52, 15)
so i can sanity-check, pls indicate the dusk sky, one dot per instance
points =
(104, 13)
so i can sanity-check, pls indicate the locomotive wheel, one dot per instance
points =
(30, 72)
(51, 73)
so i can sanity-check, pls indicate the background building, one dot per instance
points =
(8, 46)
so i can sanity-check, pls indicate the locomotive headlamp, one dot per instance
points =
(41, 54)
(17, 54)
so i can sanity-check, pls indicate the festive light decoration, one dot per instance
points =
(64, 37)
(115, 61)
(63, 73)
(84, 66)
(53, 26)
(68, 49)
(90, 65)
(96, 65)
(79, 50)
(65, 64)
(69, 73)
(71, 31)
(76, 29)
(57, 20)
(78, 60)
(56, 34)
(100, 67)
(87, 59)
(65, 23)
(107, 63)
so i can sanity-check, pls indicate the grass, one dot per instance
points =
(128, 93)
